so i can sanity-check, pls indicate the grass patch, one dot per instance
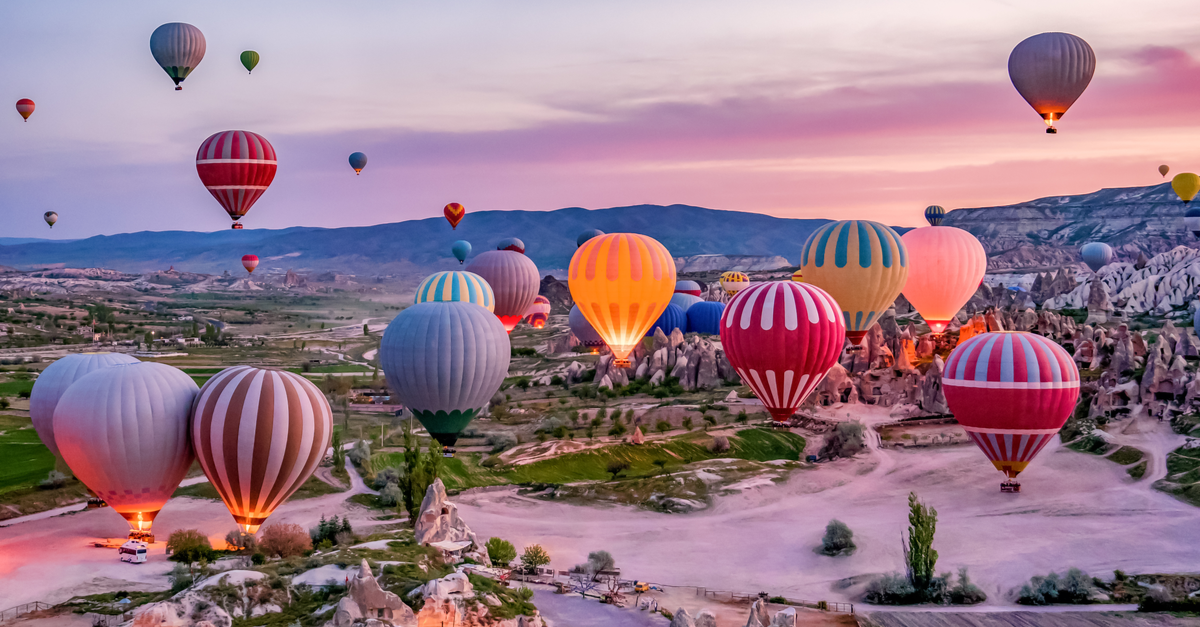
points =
(1126, 455)
(1137, 472)
(15, 388)
(24, 460)
(1091, 444)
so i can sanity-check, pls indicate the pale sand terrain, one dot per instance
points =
(1075, 510)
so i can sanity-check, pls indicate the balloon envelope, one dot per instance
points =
(934, 214)
(123, 430)
(1186, 186)
(687, 287)
(685, 301)
(587, 235)
(250, 262)
(1011, 392)
(455, 286)
(1163, 169)
(25, 107)
(622, 282)
(454, 213)
(236, 167)
(734, 282)
(50, 217)
(259, 435)
(798, 276)
(511, 243)
(358, 161)
(945, 266)
(705, 317)
(54, 381)
(538, 320)
(782, 337)
(583, 330)
(862, 264)
(178, 48)
(541, 305)
(1096, 255)
(461, 249)
(1050, 71)
(249, 60)
(514, 279)
(444, 361)
(672, 318)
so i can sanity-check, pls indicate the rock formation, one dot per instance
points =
(368, 605)
(189, 609)
(439, 522)
(637, 437)
(706, 618)
(681, 618)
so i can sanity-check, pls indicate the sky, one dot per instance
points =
(861, 108)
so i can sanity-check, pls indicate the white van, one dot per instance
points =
(133, 552)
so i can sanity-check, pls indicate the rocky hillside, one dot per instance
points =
(1047, 233)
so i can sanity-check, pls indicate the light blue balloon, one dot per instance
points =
(461, 249)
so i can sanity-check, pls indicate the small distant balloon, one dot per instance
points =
(249, 60)
(1096, 255)
(934, 214)
(178, 48)
(587, 235)
(1186, 186)
(798, 275)
(250, 262)
(50, 217)
(358, 161)
(511, 243)
(1163, 169)
(1050, 71)
(461, 249)
(454, 214)
(25, 108)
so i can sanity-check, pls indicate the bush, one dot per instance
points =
(845, 441)
(189, 546)
(662, 426)
(390, 495)
(386, 476)
(533, 557)
(1162, 601)
(360, 453)
(720, 444)
(616, 467)
(501, 551)
(258, 558)
(1074, 587)
(965, 592)
(501, 442)
(240, 540)
(53, 481)
(618, 429)
(891, 589)
(838, 540)
(285, 540)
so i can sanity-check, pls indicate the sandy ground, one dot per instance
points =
(1075, 510)
(53, 559)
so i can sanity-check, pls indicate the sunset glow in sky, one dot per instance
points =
(870, 109)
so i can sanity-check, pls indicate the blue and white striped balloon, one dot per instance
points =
(455, 286)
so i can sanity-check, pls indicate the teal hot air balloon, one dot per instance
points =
(178, 48)
(456, 285)
(1096, 255)
(249, 60)
(461, 249)
(935, 214)
(358, 161)
(587, 235)
(445, 361)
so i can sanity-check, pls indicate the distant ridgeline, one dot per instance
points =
(424, 245)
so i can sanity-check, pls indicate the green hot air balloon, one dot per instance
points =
(250, 60)
(445, 360)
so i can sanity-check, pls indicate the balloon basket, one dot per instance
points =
(141, 536)
(96, 503)
(1052, 131)
(448, 452)
(236, 225)
(1010, 486)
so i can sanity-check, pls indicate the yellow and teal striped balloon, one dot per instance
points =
(457, 285)
(862, 264)
(935, 214)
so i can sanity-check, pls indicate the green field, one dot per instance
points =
(24, 460)
(464, 471)
(14, 388)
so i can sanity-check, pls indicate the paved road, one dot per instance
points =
(572, 610)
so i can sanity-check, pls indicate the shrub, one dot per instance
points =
(720, 444)
(616, 467)
(533, 557)
(1162, 601)
(618, 429)
(501, 551)
(742, 417)
(360, 453)
(838, 540)
(845, 441)
(386, 476)
(1074, 587)
(662, 426)
(919, 554)
(53, 481)
(390, 495)
(965, 592)
(501, 441)
(258, 558)
(891, 589)
(189, 545)
(687, 423)
(285, 540)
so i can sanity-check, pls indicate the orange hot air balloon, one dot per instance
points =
(25, 108)
(945, 266)
(622, 282)
(454, 214)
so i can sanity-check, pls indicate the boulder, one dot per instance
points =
(724, 368)
(454, 585)
(784, 618)
(930, 395)
(682, 619)
(638, 437)
(758, 615)
(707, 376)
(1098, 303)
(605, 382)
(660, 340)
(439, 520)
(681, 367)
(657, 377)
(366, 600)
(186, 610)
(642, 369)
(602, 366)
(706, 618)
(675, 340)
(575, 372)
(618, 376)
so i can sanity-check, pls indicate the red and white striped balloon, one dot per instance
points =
(259, 435)
(1011, 392)
(782, 337)
(236, 167)
(250, 262)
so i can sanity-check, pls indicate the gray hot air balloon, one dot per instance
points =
(444, 361)
(55, 380)
(583, 330)
(1050, 71)
(587, 235)
(513, 277)
(178, 48)
(1096, 255)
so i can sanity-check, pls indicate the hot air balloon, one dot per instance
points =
(236, 167)
(1195, 324)
(587, 235)
(538, 320)
(250, 262)
(945, 266)
(454, 213)
(734, 282)
(782, 337)
(1191, 221)
(50, 217)
(671, 318)
(447, 287)
(123, 430)
(862, 264)
(684, 301)
(1186, 186)
(798, 276)
(583, 330)
(178, 48)
(511, 243)
(541, 304)
(358, 161)
(1050, 71)
(705, 317)
(250, 60)
(25, 108)
(461, 249)
(259, 435)
(1011, 392)
(622, 282)
(515, 280)
(444, 361)
(934, 214)
(1163, 169)
(688, 287)
(55, 379)
(1096, 255)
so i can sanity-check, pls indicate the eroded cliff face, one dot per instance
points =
(1047, 232)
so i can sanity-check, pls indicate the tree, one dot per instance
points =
(360, 453)
(189, 546)
(661, 462)
(687, 423)
(742, 417)
(616, 467)
(366, 331)
(390, 495)
(285, 540)
(838, 540)
(601, 560)
(339, 458)
(709, 421)
(919, 556)
(845, 441)
(501, 552)
(533, 557)
(662, 426)
(601, 414)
